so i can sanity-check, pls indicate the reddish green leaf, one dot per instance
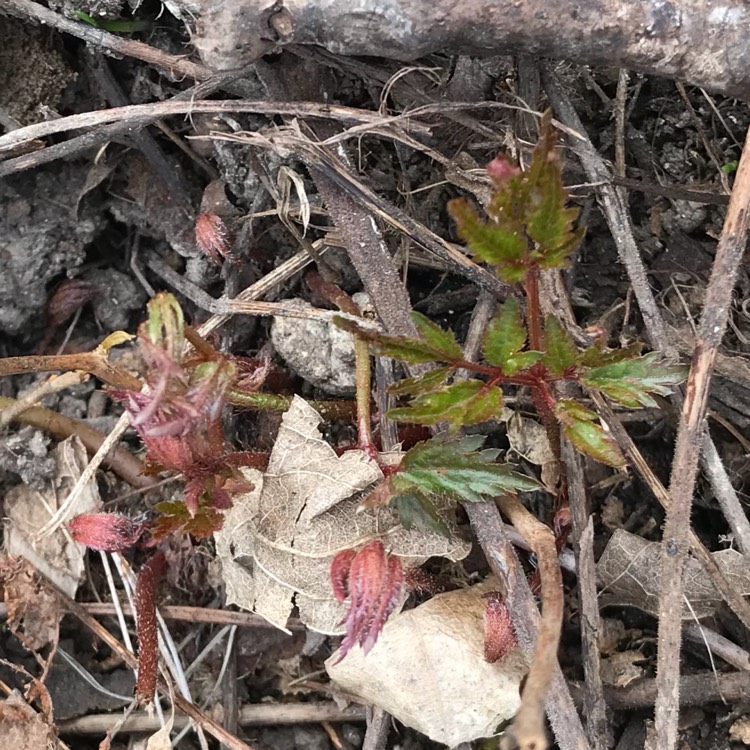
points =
(631, 381)
(580, 426)
(438, 467)
(502, 245)
(427, 382)
(404, 348)
(465, 403)
(438, 338)
(505, 335)
(561, 352)
(547, 221)
(596, 356)
(520, 361)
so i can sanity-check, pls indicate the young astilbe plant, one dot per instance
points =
(528, 228)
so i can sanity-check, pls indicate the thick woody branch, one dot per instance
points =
(701, 43)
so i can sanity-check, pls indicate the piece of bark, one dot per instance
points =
(705, 44)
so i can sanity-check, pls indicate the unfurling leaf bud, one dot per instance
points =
(212, 236)
(109, 532)
(372, 579)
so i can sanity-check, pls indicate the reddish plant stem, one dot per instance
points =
(148, 634)
(533, 310)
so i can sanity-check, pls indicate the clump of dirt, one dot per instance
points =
(33, 72)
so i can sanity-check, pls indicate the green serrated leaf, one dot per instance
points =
(581, 427)
(520, 361)
(505, 335)
(561, 352)
(410, 350)
(631, 381)
(547, 220)
(438, 338)
(503, 246)
(415, 509)
(439, 467)
(596, 356)
(422, 383)
(465, 403)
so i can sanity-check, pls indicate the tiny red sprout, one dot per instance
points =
(212, 236)
(372, 579)
(501, 169)
(109, 532)
(69, 296)
(499, 637)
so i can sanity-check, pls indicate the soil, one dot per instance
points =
(104, 213)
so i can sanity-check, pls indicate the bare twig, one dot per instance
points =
(96, 362)
(595, 709)
(713, 322)
(267, 714)
(139, 115)
(528, 725)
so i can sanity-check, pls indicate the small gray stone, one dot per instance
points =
(318, 352)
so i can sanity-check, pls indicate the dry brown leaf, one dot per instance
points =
(428, 670)
(33, 611)
(529, 439)
(621, 668)
(22, 728)
(56, 556)
(277, 542)
(628, 573)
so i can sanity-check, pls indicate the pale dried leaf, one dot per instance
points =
(33, 610)
(628, 573)
(56, 555)
(22, 728)
(277, 543)
(529, 439)
(428, 670)
(621, 668)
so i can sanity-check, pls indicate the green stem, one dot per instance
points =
(363, 386)
(273, 402)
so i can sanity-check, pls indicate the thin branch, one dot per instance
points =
(256, 715)
(528, 725)
(713, 323)
(595, 708)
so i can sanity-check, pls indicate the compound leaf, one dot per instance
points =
(465, 403)
(580, 426)
(415, 509)
(501, 244)
(438, 467)
(404, 348)
(631, 381)
(438, 338)
(520, 361)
